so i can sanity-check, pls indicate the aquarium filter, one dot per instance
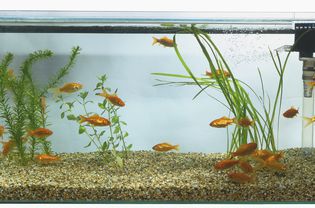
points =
(305, 45)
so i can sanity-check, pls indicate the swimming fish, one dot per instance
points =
(43, 103)
(70, 87)
(164, 147)
(246, 167)
(245, 149)
(262, 154)
(40, 133)
(309, 120)
(224, 164)
(245, 122)
(290, 113)
(221, 122)
(218, 73)
(7, 146)
(45, 158)
(311, 84)
(240, 177)
(273, 163)
(11, 73)
(113, 98)
(165, 41)
(2, 130)
(95, 120)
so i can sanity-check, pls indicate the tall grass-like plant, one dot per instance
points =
(21, 106)
(236, 93)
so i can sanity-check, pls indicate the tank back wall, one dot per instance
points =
(159, 114)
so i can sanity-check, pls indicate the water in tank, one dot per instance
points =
(160, 106)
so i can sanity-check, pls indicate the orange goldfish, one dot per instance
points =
(221, 122)
(70, 87)
(246, 167)
(218, 73)
(261, 154)
(311, 84)
(272, 163)
(43, 103)
(290, 113)
(2, 130)
(224, 164)
(245, 122)
(165, 41)
(113, 98)
(45, 158)
(240, 177)
(11, 73)
(309, 121)
(164, 147)
(40, 133)
(245, 149)
(95, 120)
(7, 146)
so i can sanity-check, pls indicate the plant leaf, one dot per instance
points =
(82, 129)
(71, 117)
(89, 144)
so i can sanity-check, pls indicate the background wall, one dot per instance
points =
(157, 114)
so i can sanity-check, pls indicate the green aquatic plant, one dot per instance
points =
(236, 93)
(107, 139)
(21, 103)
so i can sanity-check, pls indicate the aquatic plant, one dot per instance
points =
(236, 93)
(22, 103)
(107, 139)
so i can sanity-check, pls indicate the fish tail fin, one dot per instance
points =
(308, 121)
(55, 91)
(155, 40)
(252, 123)
(176, 147)
(82, 119)
(103, 94)
(235, 121)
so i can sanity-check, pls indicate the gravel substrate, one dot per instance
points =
(156, 177)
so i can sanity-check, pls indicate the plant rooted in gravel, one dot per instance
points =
(23, 106)
(104, 129)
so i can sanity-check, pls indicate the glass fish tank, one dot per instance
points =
(136, 107)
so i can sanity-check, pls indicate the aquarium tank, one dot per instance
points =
(194, 107)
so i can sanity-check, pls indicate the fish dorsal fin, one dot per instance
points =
(94, 116)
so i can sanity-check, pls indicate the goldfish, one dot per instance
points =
(2, 130)
(43, 103)
(245, 122)
(221, 122)
(240, 177)
(272, 163)
(7, 146)
(311, 84)
(261, 154)
(218, 73)
(70, 87)
(95, 120)
(246, 167)
(245, 149)
(224, 164)
(113, 98)
(11, 73)
(40, 133)
(309, 120)
(165, 41)
(45, 158)
(164, 147)
(290, 113)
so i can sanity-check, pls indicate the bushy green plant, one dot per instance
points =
(236, 92)
(107, 139)
(21, 103)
